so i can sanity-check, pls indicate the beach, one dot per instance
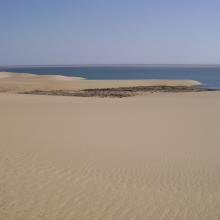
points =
(154, 156)
(18, 82)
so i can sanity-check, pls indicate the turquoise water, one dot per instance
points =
(208, 75)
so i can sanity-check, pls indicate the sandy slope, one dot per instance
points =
(14, 82)
(150, 157)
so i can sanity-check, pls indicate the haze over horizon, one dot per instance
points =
(55, 32)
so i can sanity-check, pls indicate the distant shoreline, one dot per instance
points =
(208, 75)
(24, 83)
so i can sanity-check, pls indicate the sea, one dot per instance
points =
(208, 75)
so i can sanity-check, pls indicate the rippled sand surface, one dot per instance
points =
(150, 157)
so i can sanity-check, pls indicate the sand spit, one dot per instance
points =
(75, 86)
(29, 76)
(147, 157)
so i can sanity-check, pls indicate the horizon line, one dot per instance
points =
(89, 64)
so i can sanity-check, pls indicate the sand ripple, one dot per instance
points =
(72, 159)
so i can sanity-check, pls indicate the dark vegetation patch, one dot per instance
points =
(119, 92)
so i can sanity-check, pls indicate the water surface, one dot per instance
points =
(208, 75)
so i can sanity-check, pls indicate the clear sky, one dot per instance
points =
(109, 32)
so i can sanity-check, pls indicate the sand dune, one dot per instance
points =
(150, 157)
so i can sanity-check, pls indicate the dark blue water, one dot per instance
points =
(208, 75)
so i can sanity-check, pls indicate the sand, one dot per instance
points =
(14, 82)
(148, 157)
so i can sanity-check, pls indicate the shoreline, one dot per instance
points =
(26, 83)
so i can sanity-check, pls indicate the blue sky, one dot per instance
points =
(109, 32)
